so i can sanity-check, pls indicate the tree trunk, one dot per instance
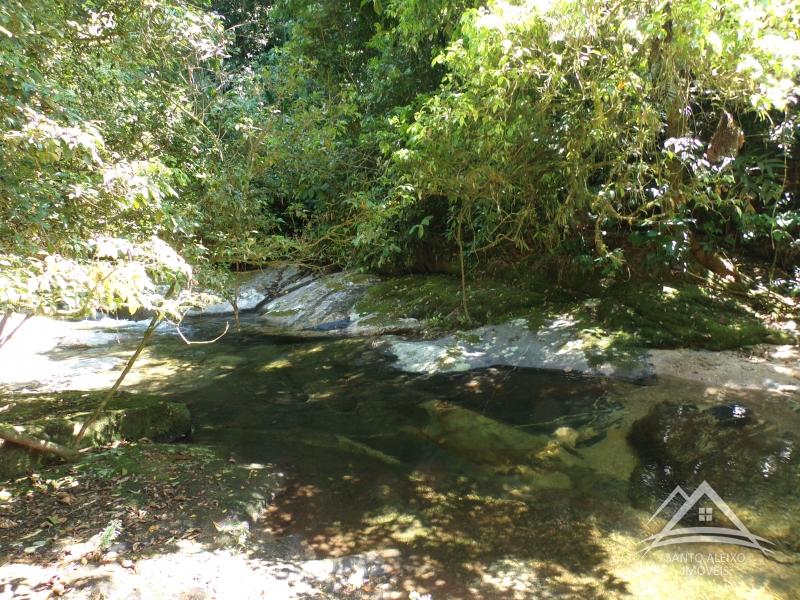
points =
(128, 366)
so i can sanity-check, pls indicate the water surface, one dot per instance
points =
(364, 474)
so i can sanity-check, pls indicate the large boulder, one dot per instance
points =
(57, 418)
(752, 464)
(255, 288)
(327, 305)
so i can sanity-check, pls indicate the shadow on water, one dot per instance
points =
(366, 472)
(345, 427)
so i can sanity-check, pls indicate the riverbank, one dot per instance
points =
(633, 331)
(345, 466)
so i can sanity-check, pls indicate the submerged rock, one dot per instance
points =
(57, 418)
(479, 438)
(500, 452)
(751, 464)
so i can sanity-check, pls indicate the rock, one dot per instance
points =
(524, 480)
(555, 345)
(327, 305)
(333, 325)
(256, 288)
(57, 353)
(339, 443)
(479, 438)
(771, 368)
(56, 418)
(325, 299)
(567, 436)
(354, 570)
(751, 464)
(732, 415)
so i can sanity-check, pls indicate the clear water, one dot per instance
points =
(348, 430)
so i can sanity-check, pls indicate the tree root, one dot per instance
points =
(714, 262)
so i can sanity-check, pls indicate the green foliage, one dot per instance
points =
(110, 533)
(91, 131)
(566, 118)
(113, 275)
(394, 135)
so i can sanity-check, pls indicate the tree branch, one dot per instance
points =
(157, 318)
(12, 435)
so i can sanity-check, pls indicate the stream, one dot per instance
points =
(366, 472)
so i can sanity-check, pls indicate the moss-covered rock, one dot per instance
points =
(613, 320)
(58, 417)
(680, 316)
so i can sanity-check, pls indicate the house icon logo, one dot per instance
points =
(672, 534)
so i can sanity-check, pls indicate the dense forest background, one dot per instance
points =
(156, 141)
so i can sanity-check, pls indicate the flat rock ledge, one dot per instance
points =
(557, 345)
(774, 369)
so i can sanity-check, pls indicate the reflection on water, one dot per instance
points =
(497, 483)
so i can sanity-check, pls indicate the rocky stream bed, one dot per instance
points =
(349, 441)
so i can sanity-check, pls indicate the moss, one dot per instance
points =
(436, 300)
(376, 320)
(57, 417)
(614, 322)
(421, 298)
(617, 326)
(660, 316)
(360, 278)
(469, 338)
(343, 281)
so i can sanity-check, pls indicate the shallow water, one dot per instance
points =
(366, 474)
